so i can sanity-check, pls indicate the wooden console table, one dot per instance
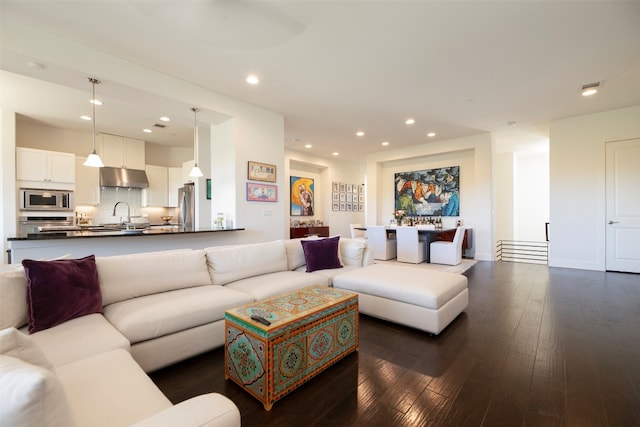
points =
(297, 232)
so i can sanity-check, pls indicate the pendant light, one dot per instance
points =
(94, 160)
(195, 172)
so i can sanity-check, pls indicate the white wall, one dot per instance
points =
(577, 183)
(531, 196)
(474, 156)
(8, 198)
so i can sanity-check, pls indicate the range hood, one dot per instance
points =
(121, 177)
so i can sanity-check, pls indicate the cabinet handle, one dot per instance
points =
(614, 222)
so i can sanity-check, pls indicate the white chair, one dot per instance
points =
(357, 234)
(383, 248)
(449, 253)
(410, 247)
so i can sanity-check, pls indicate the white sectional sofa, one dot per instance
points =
(160, 308)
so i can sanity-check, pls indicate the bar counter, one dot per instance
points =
(76, 244)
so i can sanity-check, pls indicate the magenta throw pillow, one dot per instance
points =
(321, 254)
(61, 290)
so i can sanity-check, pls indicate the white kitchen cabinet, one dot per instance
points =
(120, 152)
(158, 192)
(163, 186)
(87, 184)
(175, 182)
(42, 166)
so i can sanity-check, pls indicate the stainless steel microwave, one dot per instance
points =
(32, 199)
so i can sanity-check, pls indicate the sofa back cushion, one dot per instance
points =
(352, 252)
(295, 254)
(31, 396)
(228, 264)
(13, 298)
(123, 277)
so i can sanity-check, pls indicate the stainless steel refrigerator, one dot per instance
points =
(187, 200)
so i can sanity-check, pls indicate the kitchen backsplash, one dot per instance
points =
(103, 214)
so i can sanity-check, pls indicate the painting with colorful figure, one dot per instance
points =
(429, 192)
(302, 201)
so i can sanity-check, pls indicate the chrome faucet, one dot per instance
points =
(128, 211)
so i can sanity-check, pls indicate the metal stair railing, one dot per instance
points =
(522, 251)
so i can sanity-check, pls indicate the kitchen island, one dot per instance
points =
(76, 244)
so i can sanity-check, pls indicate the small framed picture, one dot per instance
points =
(343, 206)
(349, 207)
(343, 197)
(335, 206)
(355, 188)
(360, 189)
(361, 207)
(349, 188)
(335, 197)
(261, 172)
(342, 187)
(335, 187)
(349, 197)
(208, 189)
(261, 192)
(360, 198)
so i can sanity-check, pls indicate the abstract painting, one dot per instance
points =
(428, 192)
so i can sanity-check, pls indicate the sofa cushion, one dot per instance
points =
(321, 254)
(110, 389)
(206, 410)
(16, 344)
(329, 273)
(295, 254)
(352, 252)
(79, 338)
(31, 396)
(123, 277)
(13, 299)
(229, 264)
(269, 285)
(61, 290)
(153, 316)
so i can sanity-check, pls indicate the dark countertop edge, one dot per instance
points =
(101, 234)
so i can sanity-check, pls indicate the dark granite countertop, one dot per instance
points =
(84, 234)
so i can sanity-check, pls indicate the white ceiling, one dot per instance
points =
(332, 68)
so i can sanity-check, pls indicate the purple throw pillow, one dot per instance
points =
(61, 290)
(321, 254)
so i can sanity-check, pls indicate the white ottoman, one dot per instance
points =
(422, 299)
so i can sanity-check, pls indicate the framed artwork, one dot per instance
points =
(334, 187)
(335, 206)
(261, 172)
(261, 192)
(360, 198)
(302, 197)
(335, 197)
(429, 191)
(208, 189)
(349, 188)
(349, 198)
(343, 197)
(360, 189)
(343, 206)
(355, 188)
(361, 207)
(342, 186)
(349, 207)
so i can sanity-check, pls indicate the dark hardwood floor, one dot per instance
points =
(537, 346)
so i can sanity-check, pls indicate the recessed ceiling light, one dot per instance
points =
(335, 153)
(308, 145)
(165, 119)
(35, 65)
(385, 143)
(359, 133)
(410, 121)
(95, 101)
(253, 80)
(85, 118)
(512, 123)
(431, 134)
(146, 130)
(590, 89)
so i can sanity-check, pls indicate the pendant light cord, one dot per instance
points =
(93, 103)
(195, 134)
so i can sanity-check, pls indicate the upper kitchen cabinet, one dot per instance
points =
(44, 167)
(163, 186)
(120, 152)
(87, 184)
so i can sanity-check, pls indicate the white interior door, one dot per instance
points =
(623, 206)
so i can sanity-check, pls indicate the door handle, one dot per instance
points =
(614, 222)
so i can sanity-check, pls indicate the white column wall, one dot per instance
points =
(8, 197)
(577, 185)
